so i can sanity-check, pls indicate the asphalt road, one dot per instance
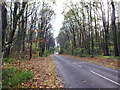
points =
(79, 74)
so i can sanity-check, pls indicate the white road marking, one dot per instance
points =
(82, 62)
(74, 63)
(104, 77)
(79, 66)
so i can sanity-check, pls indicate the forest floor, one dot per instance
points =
(45, 74)
(103, 61)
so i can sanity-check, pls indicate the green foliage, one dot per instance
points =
(6, 64)
(85, 38)
(111, 49)
(35, 55)
(51, 50)
(61, 51)
(97, 50)
(64, 51)
(46, 53)
(80, 52)
(112, 57)
(9, 60)
(11, 77)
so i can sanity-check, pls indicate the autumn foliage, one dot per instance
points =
(44, 71)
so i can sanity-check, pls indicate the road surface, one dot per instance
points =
(79, 74)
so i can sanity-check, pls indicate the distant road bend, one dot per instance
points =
(79, 74)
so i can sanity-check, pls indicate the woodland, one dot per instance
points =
(90, 29)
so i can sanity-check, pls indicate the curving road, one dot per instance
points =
(79, 74)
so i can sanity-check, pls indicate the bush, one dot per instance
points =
(46, 53)
(11, 77)
(6, 64)
(111, 50)
(80, 52)
(61, 51)
(9, 60)
(51, 50)
(35, 55)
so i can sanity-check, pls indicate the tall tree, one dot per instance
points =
(92, 44)
(114, 29)
(15, 19)
(105, 30)
(4, 24)
(0, 43)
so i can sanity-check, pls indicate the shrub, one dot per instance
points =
(61, 51)
(9, 60)
(7, 74)
(6, 64)
(46, 53)
(51, 50)
(12, 77)
(35, 55)
(80, 52)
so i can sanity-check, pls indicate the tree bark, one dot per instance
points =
(92, 45)
(4, 24)
(23, 37)
(15, 19)
(31, 32)
(106, 33)
(119, 36)
(0, 44)
(96, 38)
(114, 29)
(88, 32)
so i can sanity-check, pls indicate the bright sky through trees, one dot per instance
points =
(59, 17)
(59, 7)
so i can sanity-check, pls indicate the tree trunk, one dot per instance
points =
(4, 25)
(119, 36)
(15, 19)
(31, 32)
(88, 32)
(103, 42)
(74, 40)
(92, 45)
(19, 36)
(84, 34)
(0, 44)
(13, 31)
(23, 37)
(106, 33)
(24, 31)
(96, 38)
(114, 30)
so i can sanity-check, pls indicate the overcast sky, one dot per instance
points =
(59, 17)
